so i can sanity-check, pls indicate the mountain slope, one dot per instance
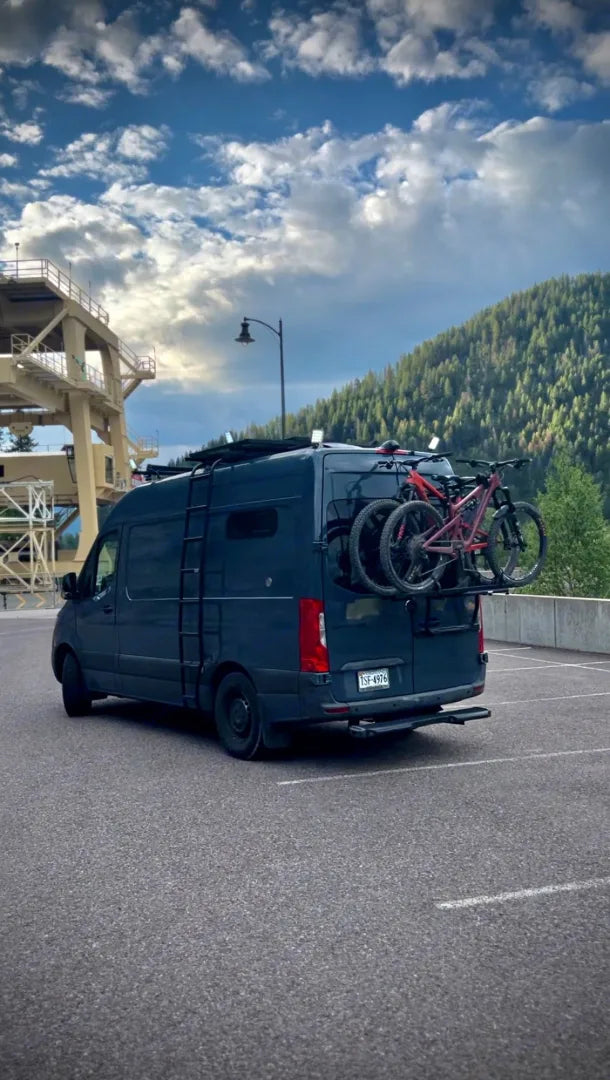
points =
(522, 377)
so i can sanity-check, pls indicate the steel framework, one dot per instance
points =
(27, 537)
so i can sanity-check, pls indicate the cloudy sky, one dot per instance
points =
(372, 171)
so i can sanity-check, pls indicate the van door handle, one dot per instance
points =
(108, 609)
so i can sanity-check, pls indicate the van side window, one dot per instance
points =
(153, 560)
(99, 571)
(252, 524)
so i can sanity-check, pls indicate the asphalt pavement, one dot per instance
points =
(434, 906)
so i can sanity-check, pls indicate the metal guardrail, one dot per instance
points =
(53, 361)
(45, 270)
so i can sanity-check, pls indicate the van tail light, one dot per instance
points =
(312, 636)
(483, 657)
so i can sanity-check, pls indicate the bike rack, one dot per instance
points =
(469, 590)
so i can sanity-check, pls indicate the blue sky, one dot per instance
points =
(372, 171)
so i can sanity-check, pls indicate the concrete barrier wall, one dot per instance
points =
(560, 622)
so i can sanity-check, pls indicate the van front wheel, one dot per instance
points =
(76, 697)
(238, 717)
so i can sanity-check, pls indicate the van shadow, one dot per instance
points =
(329, 743)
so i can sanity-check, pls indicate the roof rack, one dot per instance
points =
(161, 470)
(248, 450)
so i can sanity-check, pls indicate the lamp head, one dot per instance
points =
(245, 338)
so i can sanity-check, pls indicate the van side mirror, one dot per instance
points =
(69, 586)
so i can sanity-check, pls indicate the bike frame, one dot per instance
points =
(423, 486)
(460, 537)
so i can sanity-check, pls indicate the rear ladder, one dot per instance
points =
(190, 607)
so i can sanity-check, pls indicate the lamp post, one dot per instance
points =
(17, 259)
(69, 452)
(245, 338)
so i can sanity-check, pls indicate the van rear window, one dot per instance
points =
(346, 493)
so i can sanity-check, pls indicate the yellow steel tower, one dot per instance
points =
(60, 363)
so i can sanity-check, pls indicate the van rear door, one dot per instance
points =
(369, 637)
(445, 642)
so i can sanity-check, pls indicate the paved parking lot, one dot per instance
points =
(434, 906)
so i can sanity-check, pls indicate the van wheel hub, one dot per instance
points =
(239, 716)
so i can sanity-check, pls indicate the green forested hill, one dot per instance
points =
(527, 375)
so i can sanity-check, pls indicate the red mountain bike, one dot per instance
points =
(366, 530)
(417, 544)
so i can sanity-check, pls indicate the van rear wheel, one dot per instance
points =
(76, 697)
(238, 717)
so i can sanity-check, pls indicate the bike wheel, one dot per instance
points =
(477, 560)
(405, 563)
(364, 540)
(516, 549)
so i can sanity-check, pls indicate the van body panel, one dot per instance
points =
(275, 532)
(445, 640)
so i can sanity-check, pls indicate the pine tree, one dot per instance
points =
(21, 444)
(578, 560)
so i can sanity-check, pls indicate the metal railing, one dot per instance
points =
(53, 361)
(41, 354)
(143, 365)
(45, 270)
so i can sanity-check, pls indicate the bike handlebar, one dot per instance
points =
(493, 466)
(416, 458)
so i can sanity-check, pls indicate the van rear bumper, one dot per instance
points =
(366, 729)
(317, 703)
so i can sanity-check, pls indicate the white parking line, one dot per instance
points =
(29, 630)
(523, 894)
(561, 697)
(444, 765)
(590, 666)
(520, 648)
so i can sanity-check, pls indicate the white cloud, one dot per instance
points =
(418, 57)
(29, 133)
(92, 96)
(555, 90)
(95, 155)
(594, 51)
(555, 15)
(326, 43)
(320, 222)
(8, 161)
(220, 51)
(142, 142)
(460, 16)
(95, 52)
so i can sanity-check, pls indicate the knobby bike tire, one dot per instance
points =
(361, 521)
(506, 525)
(437, 563)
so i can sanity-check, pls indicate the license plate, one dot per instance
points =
(373, 680)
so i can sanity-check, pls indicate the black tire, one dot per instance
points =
(364, 545)
(517, 545)
(401, 555)
(238, 717)
(76, 697)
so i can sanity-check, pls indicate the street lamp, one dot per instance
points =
(69, 452)
(245, 338)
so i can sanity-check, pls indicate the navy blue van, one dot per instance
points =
(228, 589)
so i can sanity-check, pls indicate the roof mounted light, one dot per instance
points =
(317, 437)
